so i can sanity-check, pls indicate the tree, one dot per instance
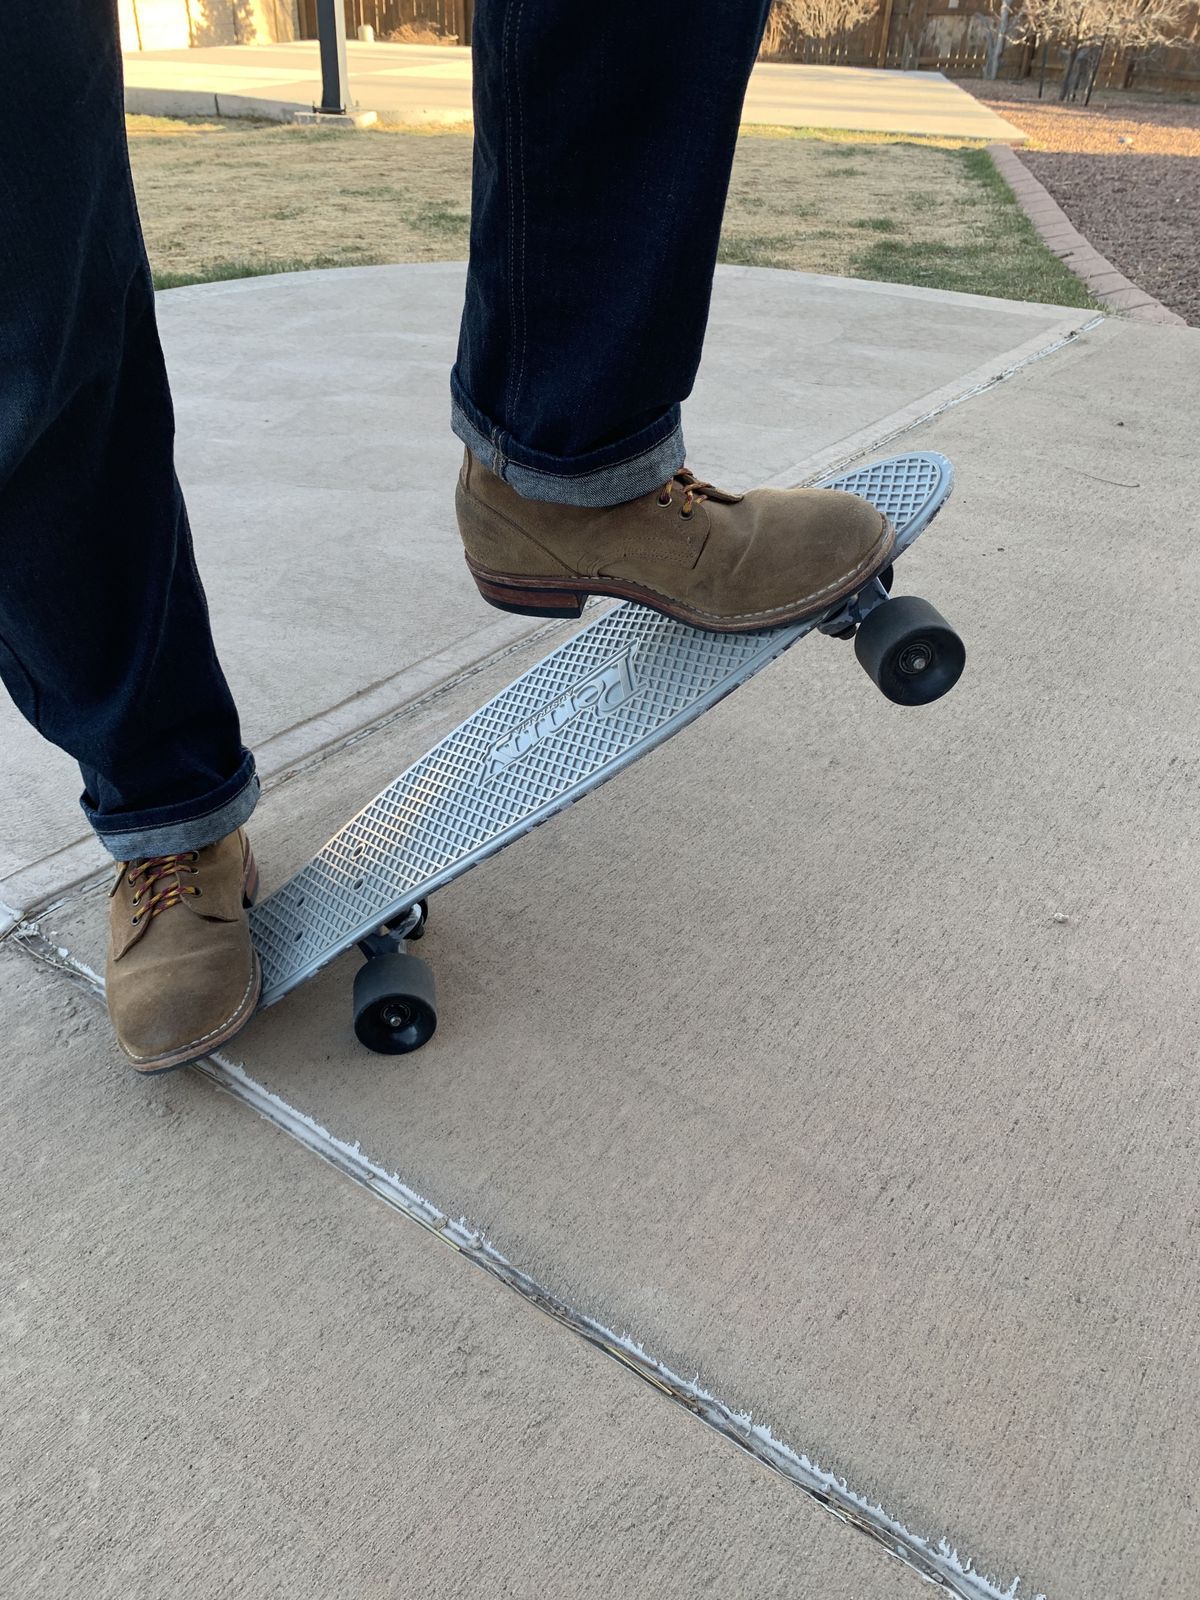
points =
(1086, 28)
(813, 19)
(998, 40)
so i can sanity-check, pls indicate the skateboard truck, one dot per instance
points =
(844, 622)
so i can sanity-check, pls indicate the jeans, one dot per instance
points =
(604, 138)
(104, 633)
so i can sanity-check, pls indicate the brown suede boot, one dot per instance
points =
(182, 976)
(732, 563)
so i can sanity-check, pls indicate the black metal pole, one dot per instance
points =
(335, 80)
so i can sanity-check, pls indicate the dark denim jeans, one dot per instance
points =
(604, 138)
(104, 635)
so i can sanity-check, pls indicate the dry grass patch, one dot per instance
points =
(230, 199)
(816, 199)
(929, 212)
(289, 197)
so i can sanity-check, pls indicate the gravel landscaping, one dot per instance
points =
(1127, 173)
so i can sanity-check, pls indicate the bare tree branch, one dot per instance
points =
(814, 19)
(1127, 24)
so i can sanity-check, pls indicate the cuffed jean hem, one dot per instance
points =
(139, 836)
(603, 478)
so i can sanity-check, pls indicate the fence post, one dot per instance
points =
(463, 13)
(331, 32)
(885, 34)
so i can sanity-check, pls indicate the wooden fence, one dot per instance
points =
(912, 34)
(951, 36)
(446, 20)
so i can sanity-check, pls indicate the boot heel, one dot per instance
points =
(530, 602)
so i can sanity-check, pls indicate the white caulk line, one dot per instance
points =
(937, 1562)
(888, 429)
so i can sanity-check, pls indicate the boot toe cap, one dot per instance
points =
(162, 1022)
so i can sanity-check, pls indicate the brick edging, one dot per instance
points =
(1106, 283)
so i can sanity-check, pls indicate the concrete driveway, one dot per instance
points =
(422, 83)
(834, 1069)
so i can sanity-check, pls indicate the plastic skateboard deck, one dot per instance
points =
(614, 691)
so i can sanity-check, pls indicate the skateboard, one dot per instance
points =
(610, 694)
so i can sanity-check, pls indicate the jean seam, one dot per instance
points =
(178, 822)
(520, 144)
(512, 207)
(499, 438)
(596, 472)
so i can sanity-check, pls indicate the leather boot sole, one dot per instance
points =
(566, 597)
(224, 1031)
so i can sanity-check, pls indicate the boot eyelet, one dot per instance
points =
(665, 503)
(686, 515)
(135, 920)
(136, 901)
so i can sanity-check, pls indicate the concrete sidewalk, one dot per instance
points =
(228, 1375)
(841, 1055)
(421, 83)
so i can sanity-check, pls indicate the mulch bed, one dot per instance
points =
(1127, 173)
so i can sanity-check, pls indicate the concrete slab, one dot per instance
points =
(846, 1055)
(228, 1373)
(415, 83)
(315, 451)
(872, 101)
(175, 102)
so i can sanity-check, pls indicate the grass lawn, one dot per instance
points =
(229, 199)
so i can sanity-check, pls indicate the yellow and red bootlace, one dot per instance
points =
(145, 876)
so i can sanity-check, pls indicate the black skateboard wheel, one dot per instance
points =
(395, 1004)
(910, 651)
